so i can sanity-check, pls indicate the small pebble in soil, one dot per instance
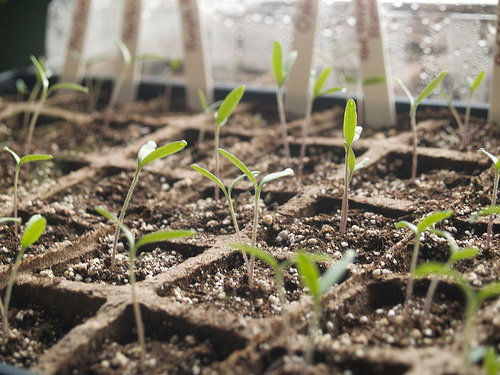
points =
(267, 219)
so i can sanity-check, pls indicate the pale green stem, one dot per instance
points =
(415, 140)
(307, 121)
(413, 266)
(467, 119)
(31, 100)
(137, 311)
(237, 229)
(201, 135)
(284, 312)
(33, 121)
(345, 204)
(122, 214)
(311, 336)
(284, 132)
(8, 293)
(471, 309)
(16, 181)
(216, 159)
(254, 235)
(493, 204)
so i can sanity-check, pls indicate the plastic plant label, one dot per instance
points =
(72, 64)
(379, 98)
(130, 37)
(494, 112)
(197, 64)
(298, 81)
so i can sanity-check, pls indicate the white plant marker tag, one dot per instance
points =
(378, 97)
(71, 70)
(494, 111)
(196, 61)
(130, 36)
(297, 86)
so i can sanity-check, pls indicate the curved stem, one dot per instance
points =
(122, 214)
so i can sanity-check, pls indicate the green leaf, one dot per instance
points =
(229, 104)
(288, 64)
(493, 158)
(127, 58)
(260, 254)
(334, 274)
(18, 159)
(350, 120)
(34, 157)
(430, 87)
(209, 175)
(431, 268)
(203, 99)
(274, 176)
(468, 252)
(489, 291)
(149, 155)
(432, 219)
(330, 91)
(41, 75)
(6, 219)
(235, 181)
(351, 162)
(361, 164)
(407, 224)
(34, 229)
(163, 235)
(108, 215)
(277, 63)
(67, 86)
(406, 91)
(474, 84)
(373, 80)
(309, 274)
(240, 165)
(320, 82)
(486, 212)
(491, 365)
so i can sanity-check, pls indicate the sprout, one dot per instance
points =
(22, 89)
(496, 163)
(351, 134)
(418, 229)
(227, 193)
(316, 90)
(473, 297)
(258, 189)
(19, 162)
(36, 89)
(456, 254)
(46, 91)
(207, 109)
(34, 229)
(175, 66)
(278, 268)
(317, 286)
(128, 63)
(134, 246)
(281, 70)
(413, 110)
(147, 154)
(225, 109)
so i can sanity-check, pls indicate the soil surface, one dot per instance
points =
(71, 310)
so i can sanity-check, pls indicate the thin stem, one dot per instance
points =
(33, 121)
(284, 312)
(471, 308)
(237, 229)
(216, 158)
(16, 181)
(467, 118)
(413, 265)
(114, 97)
(254, 235)
(307, 121)
(345, 205)
(31, 99)
(137, 310)
(311, 336)
(122, 214)
(415, 140)
(201, 135)
(8, 293)
(493, 204)
(284, 133)
(428, 300)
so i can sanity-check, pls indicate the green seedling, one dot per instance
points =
(281, 70)
(34, 229)
(19, 163)
(227, 194)
(21, 88)
(258, 189)
(474, 297)
(149, 238)
(456, 254)
(175, 66)
(278, 268)
(46, 91)
(226, 108)
(413, 113)
(207, 109)
(424, 224)
(316, 90)
(128, 63)
(491, 362)
(317, 285)
(496, 163)
(36, 89)
(147, 154)
(352, 133)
